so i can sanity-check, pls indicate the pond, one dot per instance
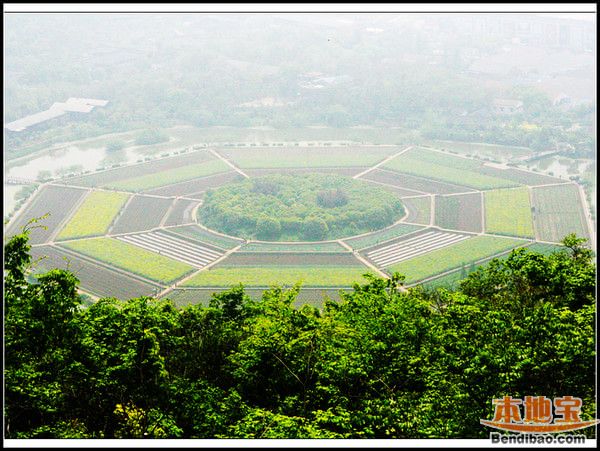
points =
(562, 167)
(69, 159)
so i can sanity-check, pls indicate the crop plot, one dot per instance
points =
(419, 209)
(58, 201)
(558, 211)
(429, 240)
(197, 185)
(197, 233)
(113, 176)
(508, 212)
(170, 176)
(257, 246)
(181, 213)
(142, 213)
(131, 258)
(267, 269)
(460, 212)
(416, 185)
(94, 278)
(266, 276)
(484, 150)
(307, 157)
(291, 259)
(458, 255)
(347, 171)
(178, 249)
(95, 215)
(447, 168)
(521, 177)
(381, 236)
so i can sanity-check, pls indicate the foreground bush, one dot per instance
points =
(382, 363)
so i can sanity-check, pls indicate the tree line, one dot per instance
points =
(380, 363)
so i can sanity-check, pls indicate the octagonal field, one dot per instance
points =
(187, 225)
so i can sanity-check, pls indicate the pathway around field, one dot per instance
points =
(382, 162)
(363, 260)
(166, 215)
(189, 276)
(228, 163)
(61, 225)
(588, 217)
(482, 212)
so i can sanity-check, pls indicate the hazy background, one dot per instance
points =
(411, 70)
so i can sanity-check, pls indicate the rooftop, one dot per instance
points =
(57, 109)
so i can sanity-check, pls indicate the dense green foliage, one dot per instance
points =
(291, 208)
(382, 363)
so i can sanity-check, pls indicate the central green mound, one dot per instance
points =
(310, 207)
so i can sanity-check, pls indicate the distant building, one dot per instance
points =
(265, 102)
(72, 105)
(323, 82)
(507, 106)
(562, 100)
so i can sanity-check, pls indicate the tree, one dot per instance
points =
(114, 146)
(315, 229)
(268, 228)
(382, 362)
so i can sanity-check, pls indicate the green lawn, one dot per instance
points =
(446, 168)
(168, 177)
(95, 215)
(318, 276)
(508, 212)
(132, 258)
(303, 157)
(454, 256)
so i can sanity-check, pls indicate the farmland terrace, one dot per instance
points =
(135, 230)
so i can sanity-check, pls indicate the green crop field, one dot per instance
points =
(307, 157)
(318, 276)
(170, 176)
(383, 235)
(285, 247)
(558, 211)
(508, 212)
(446, 168)
(131, 258)
(95, 215)
(457, 255)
